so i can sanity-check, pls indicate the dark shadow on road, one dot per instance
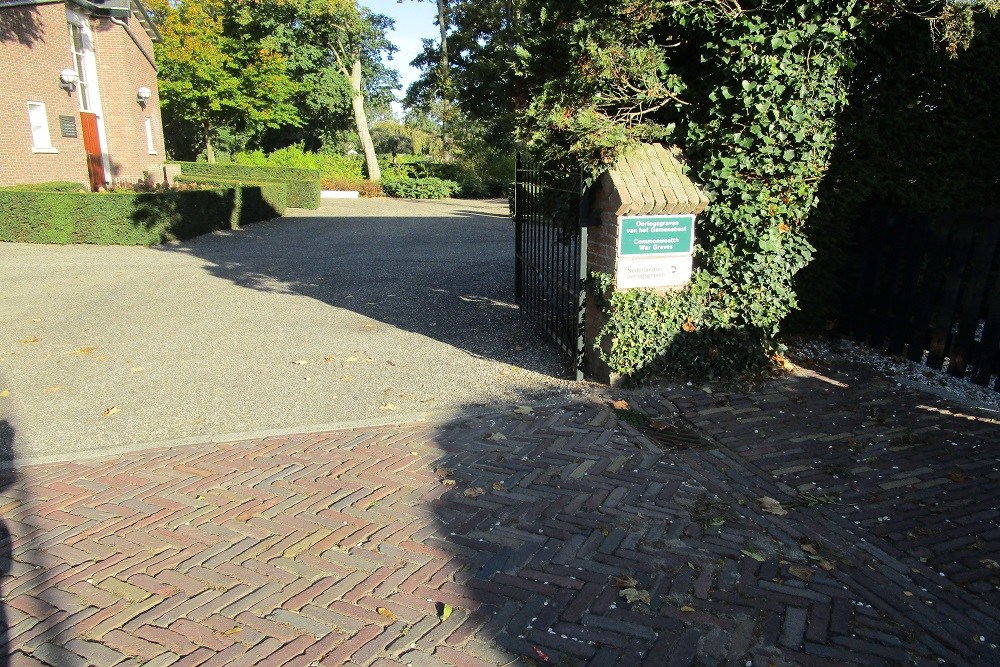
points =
(7, 478)
(433, 268)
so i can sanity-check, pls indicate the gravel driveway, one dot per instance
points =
(364, 310)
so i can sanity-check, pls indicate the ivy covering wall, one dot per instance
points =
(752, 93)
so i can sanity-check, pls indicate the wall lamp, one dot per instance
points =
(142, 95)
(68, 79)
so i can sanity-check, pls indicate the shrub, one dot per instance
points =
(330, 165)
(126, 217)
(364, 187)
(418, 188)
(303, 184)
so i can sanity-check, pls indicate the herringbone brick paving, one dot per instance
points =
(542, 532)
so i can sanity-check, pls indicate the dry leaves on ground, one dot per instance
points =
(620, 405)
(801, 572)
(84, 350)
(496, 436)
(112, 410)
(386, 613)
(635, 595)
(30, 339)
(4, 393)
(772, 506)
(498, 486)
(474, 491)
(388, 407)
(523, 410)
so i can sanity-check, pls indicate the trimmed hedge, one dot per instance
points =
(303, 184)
(274, 194)
(50, 186)
(125, 217)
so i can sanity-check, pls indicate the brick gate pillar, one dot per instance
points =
(643, 187)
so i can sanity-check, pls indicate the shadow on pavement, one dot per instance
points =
(7, 478)
(575, 538)
(433, 268)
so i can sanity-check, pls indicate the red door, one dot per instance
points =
(92, 146)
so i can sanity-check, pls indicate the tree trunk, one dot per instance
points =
(444, 77)
(358, 104)
(209, 149)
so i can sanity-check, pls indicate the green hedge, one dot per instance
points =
(418, 188)
(274, 194)
(127, 218)
(303, 184)
(50, 186)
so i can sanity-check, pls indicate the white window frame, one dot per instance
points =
(150, 146)
(38, 119)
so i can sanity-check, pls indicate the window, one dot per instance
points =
(41, 141)
(79, 44)
(150, 147)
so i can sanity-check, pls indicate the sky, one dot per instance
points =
(414, 20)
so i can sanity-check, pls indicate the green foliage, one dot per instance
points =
(51, 186)
(330, 165)
(418, 188)
(210, 77)
(303, 184)
(911, 138)
(363, 186)
(126, 217)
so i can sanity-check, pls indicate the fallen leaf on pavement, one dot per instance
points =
(523, 410)
(625, 582)
(686, 609)
(387, 407)
(474, 491)
(112, 410)
(5, 393)
(957, 476)
(635, 595)
(233, 631)
(772, 506)
(443, 472)
(620, 405)
(448, 482)
(542, 655)
(498, 486)
(496, 437)
(827, 566)
(84, 350)
(444, 610)
(809, 548)
(30, 339)
(908, 594)
(801, 572)
(386, 613)
(330, 357)
(347, 378)
(52, 390)
(752, 554)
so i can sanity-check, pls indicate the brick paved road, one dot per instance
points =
(343, 547)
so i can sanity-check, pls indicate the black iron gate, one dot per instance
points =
(550, 253)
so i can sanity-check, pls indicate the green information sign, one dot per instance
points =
(655, 235)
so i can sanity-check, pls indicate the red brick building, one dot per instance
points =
(78, 95)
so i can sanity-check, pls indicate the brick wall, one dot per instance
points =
(123, 69)
(34, 48)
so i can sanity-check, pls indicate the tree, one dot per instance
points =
(335, 43)
(210, 80)
(440, 101)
